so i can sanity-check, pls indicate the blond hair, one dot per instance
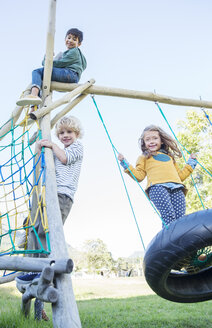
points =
(69, 122)
(169, 145)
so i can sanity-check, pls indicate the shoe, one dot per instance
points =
(45, 316)
(22, 239)
(29, 100)
(28, 278)
(33, 108)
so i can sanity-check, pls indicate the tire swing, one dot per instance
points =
(178, 261)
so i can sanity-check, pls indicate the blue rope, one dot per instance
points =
(207, 116)
(21, 173)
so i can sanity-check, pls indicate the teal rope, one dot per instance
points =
(153, 206)
(17, 158)
(114, 151)
(182, 153)
(177, 138)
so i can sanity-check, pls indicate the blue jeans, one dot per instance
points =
(58, 74)
(170, 203)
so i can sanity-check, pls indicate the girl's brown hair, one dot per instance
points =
(169, 145)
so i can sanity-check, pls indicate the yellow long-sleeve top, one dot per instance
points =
(159, 168)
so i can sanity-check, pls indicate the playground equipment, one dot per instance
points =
(65, 313)
(177, 263)
(55, 284)
(173, 265)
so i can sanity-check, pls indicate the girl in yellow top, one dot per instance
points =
(164, 177)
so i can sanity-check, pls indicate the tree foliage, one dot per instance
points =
(98, 256)
(196, 136)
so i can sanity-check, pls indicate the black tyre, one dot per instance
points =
(171, 264)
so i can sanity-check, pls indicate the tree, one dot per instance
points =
(79, 258)
(128, 264)
(196, 136)
(98, 256)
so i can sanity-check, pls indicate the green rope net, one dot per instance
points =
(22, 178)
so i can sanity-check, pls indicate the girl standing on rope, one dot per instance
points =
(164, 177)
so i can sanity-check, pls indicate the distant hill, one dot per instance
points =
(77, 255)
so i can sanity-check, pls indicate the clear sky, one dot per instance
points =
(155, 45)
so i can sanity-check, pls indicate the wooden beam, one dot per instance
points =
(16, 113)
(35, 264)
(11, 123)
(125, 93)
(9, 277)
(67, 109)
(65, 99)
(63, 112)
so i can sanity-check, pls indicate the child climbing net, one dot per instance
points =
(18, 183)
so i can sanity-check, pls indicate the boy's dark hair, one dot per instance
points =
(76, 33)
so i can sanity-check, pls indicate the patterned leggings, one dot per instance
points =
(170, 203)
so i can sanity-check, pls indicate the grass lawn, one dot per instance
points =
(112, 303)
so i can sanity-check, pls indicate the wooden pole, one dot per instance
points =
(13, 118)
(65, 312)
(65, 99)
(11, 123)
(67, 109)
(63, 112)
(10, 277)
(124, 93)
(35, 264)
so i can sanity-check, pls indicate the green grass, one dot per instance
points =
(112, 303)
(10, 310)
(143, 312)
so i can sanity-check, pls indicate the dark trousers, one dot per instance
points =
(170, 203)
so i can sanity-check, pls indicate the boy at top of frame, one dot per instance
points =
(67, 68)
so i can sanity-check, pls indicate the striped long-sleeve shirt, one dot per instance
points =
(67, 175)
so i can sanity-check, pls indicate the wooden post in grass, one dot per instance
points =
(65, 312)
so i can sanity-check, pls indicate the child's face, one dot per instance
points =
(152, 140)
(72, 41)
(67, 136)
